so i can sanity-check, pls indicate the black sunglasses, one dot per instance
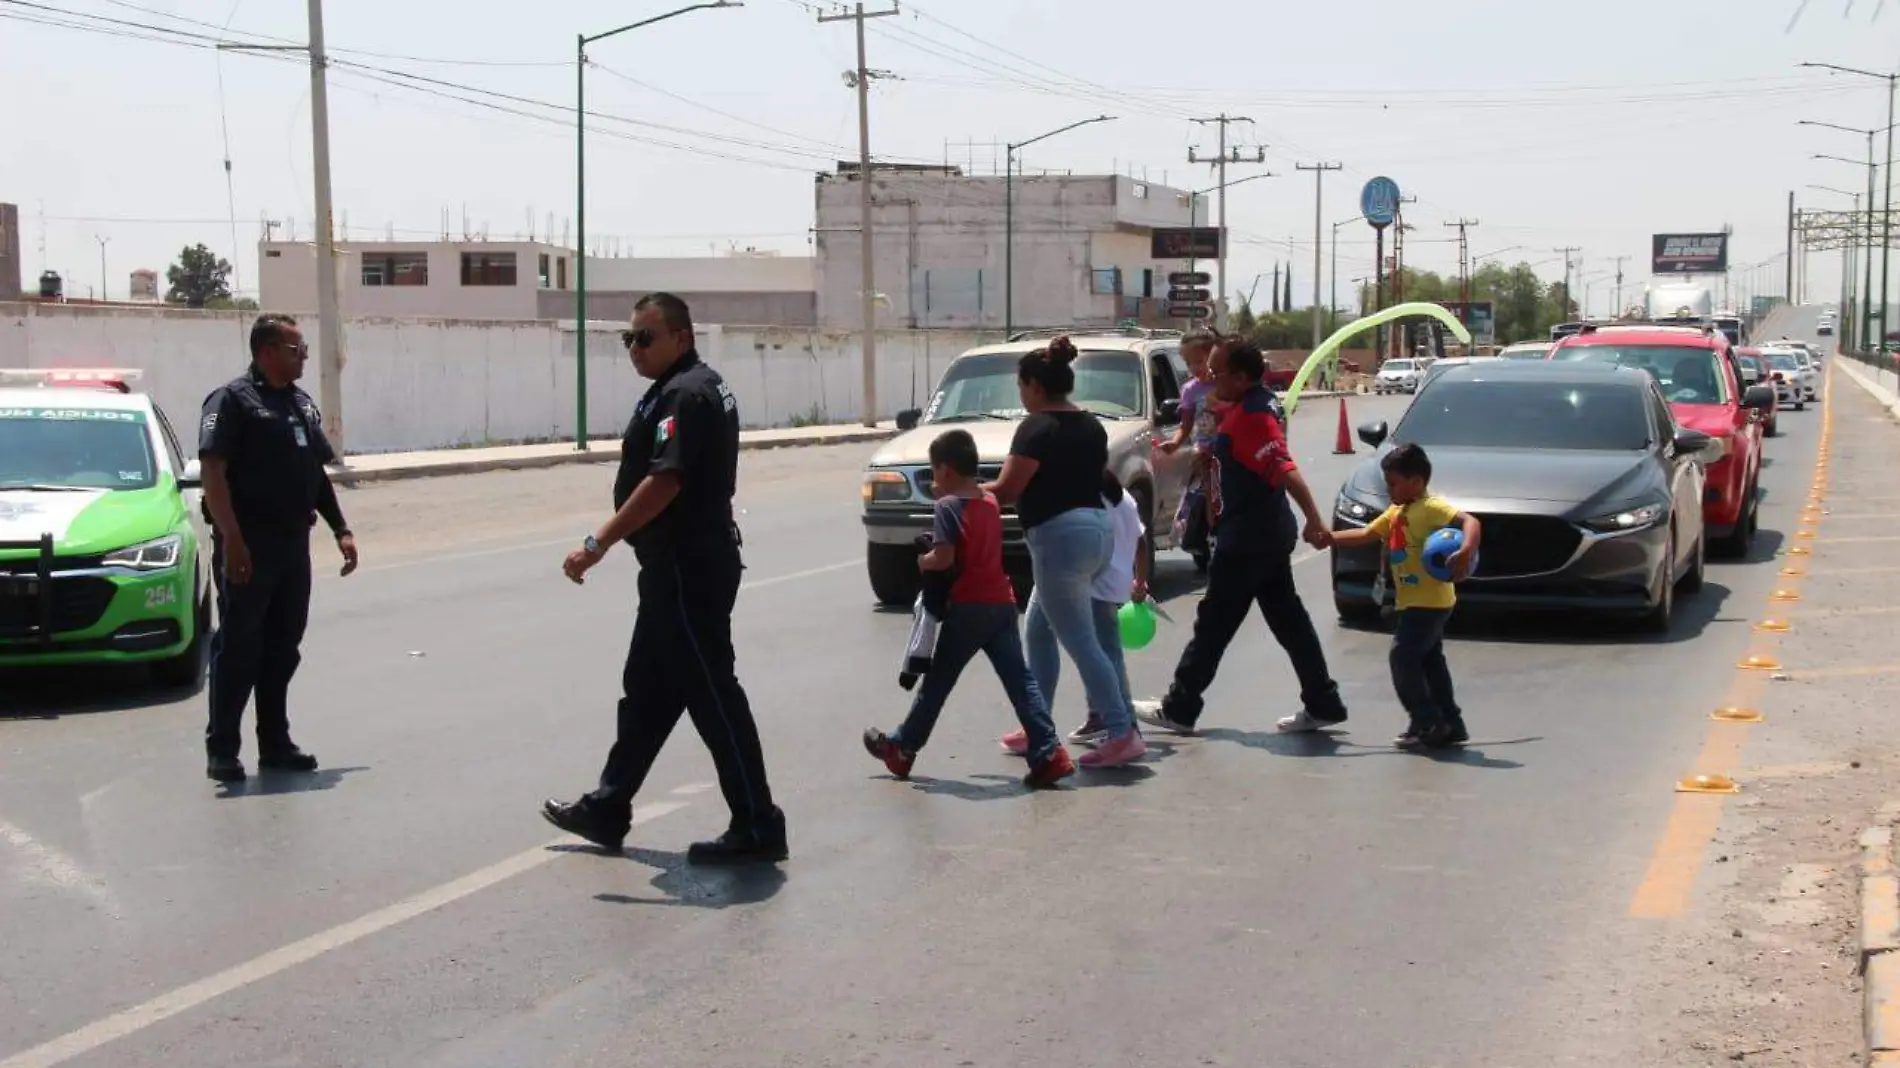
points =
(636, 339)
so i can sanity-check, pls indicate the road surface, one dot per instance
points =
(1242, 898)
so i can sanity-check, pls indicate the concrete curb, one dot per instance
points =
(1880, 940)
(1881, 394)
(346, 476)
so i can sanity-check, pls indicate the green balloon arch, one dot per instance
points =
(1329, 349)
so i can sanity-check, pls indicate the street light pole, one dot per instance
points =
(103, 242)
(1886, 207)
(581, 41)
(1009, 215)
(1319, 177)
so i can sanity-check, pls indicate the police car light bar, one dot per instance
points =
(114, 378)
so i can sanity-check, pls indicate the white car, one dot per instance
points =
(1825, 327)
(1788, 368)
(1397, 376)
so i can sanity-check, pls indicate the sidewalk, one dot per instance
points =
(1867, 379)
(392, 466)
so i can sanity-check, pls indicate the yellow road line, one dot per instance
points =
(1669, 882)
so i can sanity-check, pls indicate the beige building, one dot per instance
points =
(428, 279)
(1081, 245)
(518, 280)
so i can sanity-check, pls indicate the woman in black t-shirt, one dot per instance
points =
(1054, 477)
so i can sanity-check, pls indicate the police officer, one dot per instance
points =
(262, 448)
(679, 466)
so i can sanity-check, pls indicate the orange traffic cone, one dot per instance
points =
(1343, 446)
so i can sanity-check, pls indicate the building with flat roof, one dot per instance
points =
(521, 280)
(1081, 247)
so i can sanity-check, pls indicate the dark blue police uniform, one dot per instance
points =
(274, 449)
(1255, 534)
(681, 657)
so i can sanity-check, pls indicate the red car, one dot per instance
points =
(1699, 375)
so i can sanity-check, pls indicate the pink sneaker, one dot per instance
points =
(1115, 752)
(1016, 741)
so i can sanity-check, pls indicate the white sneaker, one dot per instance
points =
(1300, 722)
(1152, 713)
(1089, 733)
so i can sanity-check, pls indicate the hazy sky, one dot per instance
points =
(1552, 123)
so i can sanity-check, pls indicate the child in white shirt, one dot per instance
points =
(1124, 579)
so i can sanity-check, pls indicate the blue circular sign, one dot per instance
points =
(1379, 201)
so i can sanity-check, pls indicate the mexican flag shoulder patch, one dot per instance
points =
(663, 433)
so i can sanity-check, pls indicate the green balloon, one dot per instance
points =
(1329, 349)
(1137, 619)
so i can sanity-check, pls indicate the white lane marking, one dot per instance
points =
(185, 998)
(807, 573)
(48, 865)
(692, 788)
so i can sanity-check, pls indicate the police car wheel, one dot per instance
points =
(187, 667)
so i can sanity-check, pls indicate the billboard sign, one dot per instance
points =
(1379, 201)
(1186, 243)
(1479, 317)
(1689, 254)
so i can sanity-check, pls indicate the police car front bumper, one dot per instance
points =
(57, 609)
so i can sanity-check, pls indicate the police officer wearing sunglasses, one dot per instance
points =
(679, 464)
(261, 444)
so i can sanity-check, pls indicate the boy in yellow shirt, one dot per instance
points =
(1419, 671)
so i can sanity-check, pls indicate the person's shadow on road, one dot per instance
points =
(700, 887)
(266, 783)
(1332, 743)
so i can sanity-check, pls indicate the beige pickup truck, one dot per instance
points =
(1130, 378)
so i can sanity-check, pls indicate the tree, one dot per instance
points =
(198, 278)
(1286, 304)
(227, 304)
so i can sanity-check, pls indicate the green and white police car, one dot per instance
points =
(102, 555)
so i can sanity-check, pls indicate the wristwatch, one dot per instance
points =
(590, 545)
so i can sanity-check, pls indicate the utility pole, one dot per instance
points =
(1319, 180)
(1564, 312)
(1464, 265)
(1787, 283)
(1221, 161)
(861, 80)
(1399, 333)
(1618, 310)
(103, 242)
(329, 317)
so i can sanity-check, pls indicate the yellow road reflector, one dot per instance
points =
(1759, 663)
(1776, 625)
(1800, 550)
(1732, 714)
(1794, 572)
(1785, 595)
(1804, 535)
(1708, 784)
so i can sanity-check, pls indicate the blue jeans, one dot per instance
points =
(1419, 671)
(991, 630)
(1065, 553)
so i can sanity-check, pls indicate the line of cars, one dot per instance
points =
(101, 532)
(1604, 474)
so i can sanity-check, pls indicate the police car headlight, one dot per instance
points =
(148, 556)
(886, 487)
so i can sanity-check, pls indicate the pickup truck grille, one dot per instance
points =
(925, 484)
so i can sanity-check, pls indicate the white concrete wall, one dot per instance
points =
(435, 383)
(700, 274)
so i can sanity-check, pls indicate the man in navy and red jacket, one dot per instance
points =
(1251, 475)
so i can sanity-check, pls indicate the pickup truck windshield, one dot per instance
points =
(1107, 383)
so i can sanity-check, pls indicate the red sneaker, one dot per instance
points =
(896, 758)
(1052, 769)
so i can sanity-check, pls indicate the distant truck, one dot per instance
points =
(1683, 303)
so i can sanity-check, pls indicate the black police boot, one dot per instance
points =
(760, 845)
(582, 821)
(224, 769)
(289, 758)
